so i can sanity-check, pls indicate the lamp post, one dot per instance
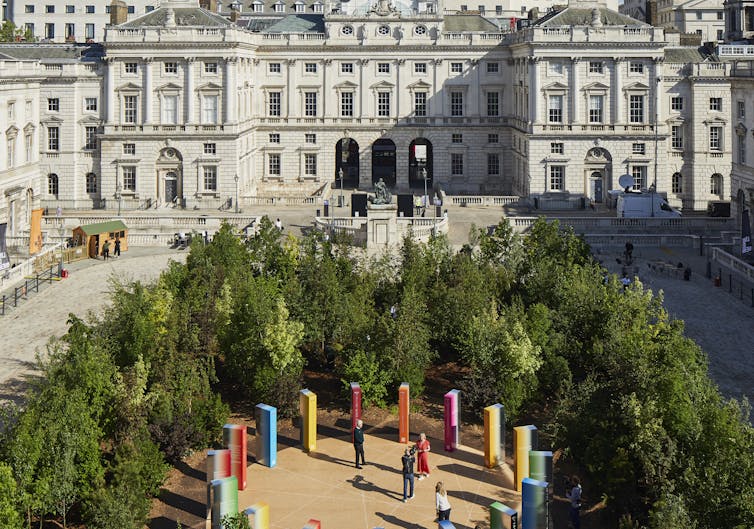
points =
(235, 179)
(340, 176)
(424, 176)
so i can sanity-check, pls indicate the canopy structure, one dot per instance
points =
(94, 236)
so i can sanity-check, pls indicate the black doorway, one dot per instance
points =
(347, 158)
(415, 177)
(383, 162)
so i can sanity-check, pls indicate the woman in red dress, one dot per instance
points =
(422, 461)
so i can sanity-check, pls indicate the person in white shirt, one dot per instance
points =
(441, 502)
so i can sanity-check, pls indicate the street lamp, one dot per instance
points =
(340, 176)
(424, 176)
(235, 179)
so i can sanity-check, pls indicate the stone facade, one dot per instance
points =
(192, 110)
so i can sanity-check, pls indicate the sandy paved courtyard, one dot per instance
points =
(27, 328)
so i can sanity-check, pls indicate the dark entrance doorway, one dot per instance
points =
(383, 161)
(347, 158)
(171, 187)
(415, 166)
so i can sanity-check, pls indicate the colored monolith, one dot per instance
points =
(535, 503)
(355, 405)
(266, 434)
(223, 497)
(494, 435)
(452, 419)
(524, 440)
(308, 409)
(259, 515)
(503, 517)
(540, 465)
(234, 437)
(403, 411)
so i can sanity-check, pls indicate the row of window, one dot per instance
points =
(169, 68)
(53, 104)
(209, 109)
(347, 68)
(274, 164)
(715, 104)
(595, 67)
(557, 174)
(299, 7)
(70, 30)
(457, 106)
(11, 108)
(596, 110)
(53, 184)
(88, 9)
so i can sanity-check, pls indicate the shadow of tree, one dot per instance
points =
(183, 503)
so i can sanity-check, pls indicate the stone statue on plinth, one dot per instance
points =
(381, 193)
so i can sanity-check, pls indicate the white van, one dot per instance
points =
(645, 205)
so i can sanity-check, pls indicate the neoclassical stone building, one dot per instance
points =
(182, 107)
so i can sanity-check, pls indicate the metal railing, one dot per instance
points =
(30, 284)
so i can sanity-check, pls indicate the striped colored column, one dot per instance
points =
(540, 465)
(308, 409)
(535, 505)
(218, 464)
(258, 515)
(494, 435)
(452, 419)
(403, 411)
(234, 437)
(313, 524)
(524, 440)
(503, 517)
(223, 497)
(355, 405)
(266, 434)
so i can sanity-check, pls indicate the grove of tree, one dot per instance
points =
(534, 322)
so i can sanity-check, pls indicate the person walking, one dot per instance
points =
(441, 502)
(422, 464)
(106, 250)
(116, 251)
(574, 496)
(358, 442)
(407, 461)
(279, 224)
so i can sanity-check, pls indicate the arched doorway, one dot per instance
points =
(347, 158)
(416, 164)
(170, 176)
(383, 161)
(597, 174)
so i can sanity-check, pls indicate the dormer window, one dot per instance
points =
(300, 7)
(257, 6)
(318, 7)
(279, 7)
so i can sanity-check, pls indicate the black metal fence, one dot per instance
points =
(22, 292)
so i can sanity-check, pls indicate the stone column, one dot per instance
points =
(616, 91)
(362, 64)
(110, 91)
(291, 63)
(432, 96)
(326, 63)
(229, 97)
(189, 91)
(573, 114)
(398, 64)
(147, 91)
(534, 98)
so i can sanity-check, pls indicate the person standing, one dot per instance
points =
(116, 251)
(423, 448)
(574, 496)
(408, 474)
(358, 442)
(441, 502)
(106, 250)
(279, 224)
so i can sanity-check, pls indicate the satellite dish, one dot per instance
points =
(626, 181)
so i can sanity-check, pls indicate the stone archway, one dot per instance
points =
(347, 158)
(384, 161)
(170, 188)
(415, 166)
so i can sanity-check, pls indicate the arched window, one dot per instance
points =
(52, 185)
(677, 183)
(91, 183)
(716, 184)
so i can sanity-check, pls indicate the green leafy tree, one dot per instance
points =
(10, 518)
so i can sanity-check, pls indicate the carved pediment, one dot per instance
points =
(348, 85)
(129, 87)
(210, 86)
(555, 86)
(29, 128)
(636, 87)
(596, 86)
(169, 87)
(420, 84)
(382, 84)
(11, 131)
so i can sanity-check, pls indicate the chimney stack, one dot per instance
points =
(118, 12)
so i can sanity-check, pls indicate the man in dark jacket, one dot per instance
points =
(358, 442)
(407, 461)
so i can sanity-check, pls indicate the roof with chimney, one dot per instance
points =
(178, 16)
(585, 14)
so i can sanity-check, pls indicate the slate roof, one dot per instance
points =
(52, 52)
(689, 54)
(298, 24)
(466, 23)
(184, 16)
(582, 16)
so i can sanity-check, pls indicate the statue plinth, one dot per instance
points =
(382, 225)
